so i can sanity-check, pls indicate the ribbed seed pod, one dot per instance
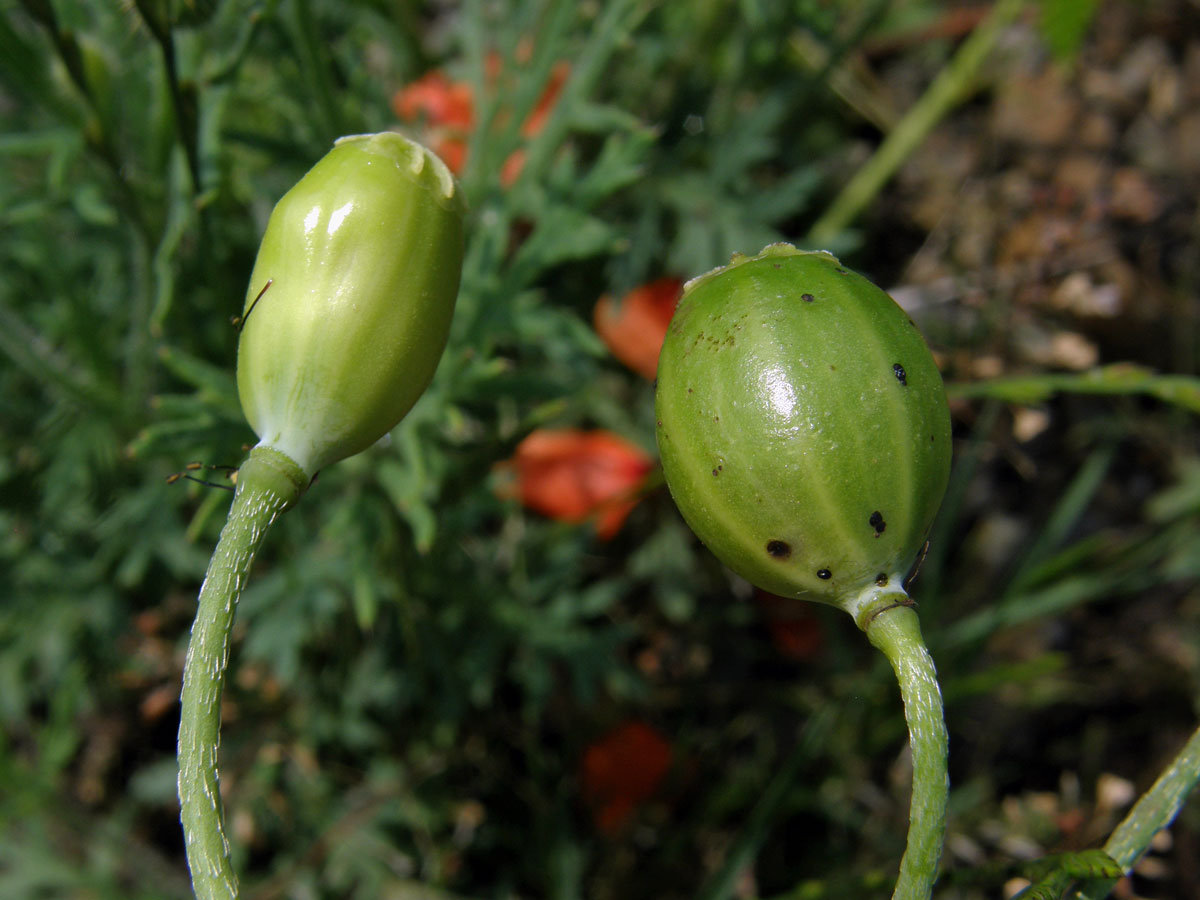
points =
(350, 300)
(802, 425)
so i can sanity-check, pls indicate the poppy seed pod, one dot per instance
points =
(350, 300)
(802, 425)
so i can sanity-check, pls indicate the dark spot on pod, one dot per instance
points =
(716, 418)
(777, 266)
(807, 298)
(689, 390)
(659, 423)
(778, 549)
(876, 522)
(901, 375)
(716, 472)
(824, 574)
(881, 579)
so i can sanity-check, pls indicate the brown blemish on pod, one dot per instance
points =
(779, 549)
(876, 522)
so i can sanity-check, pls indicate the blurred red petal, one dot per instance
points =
(453, 151)
(635, 328)
(436, 99)
(545, 105)
(621, 771)
(793, 625)
(573, 475)
(512, 167)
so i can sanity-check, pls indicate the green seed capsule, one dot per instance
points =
(802, 425)
(350, 301)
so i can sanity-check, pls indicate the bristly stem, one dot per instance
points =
(891, 625)
(268, 484)
(1156, 809)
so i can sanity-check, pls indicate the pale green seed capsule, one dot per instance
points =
(350, 300)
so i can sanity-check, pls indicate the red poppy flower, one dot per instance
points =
(512, 167)
(576, 476)
(447, 110)
(634, 329)
(452, 150)
(621, 771)
(438, 101)
(559, 74)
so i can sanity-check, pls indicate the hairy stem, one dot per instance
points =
(268, 484)
(1156, 809)
(891, 625)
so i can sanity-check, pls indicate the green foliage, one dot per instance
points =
(1111, 380)
(1057, 873)
(1065, 24)
(420, 663)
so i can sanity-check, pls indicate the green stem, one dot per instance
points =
(1156, 809)
(951, 85)
(891, 625)
(183, 105)
(268, 484)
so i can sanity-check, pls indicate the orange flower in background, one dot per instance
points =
(634, 329)
(512, 167)
(447, 110)
(621, 771)
(559, 73)
(437, 100)
(576, 476)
